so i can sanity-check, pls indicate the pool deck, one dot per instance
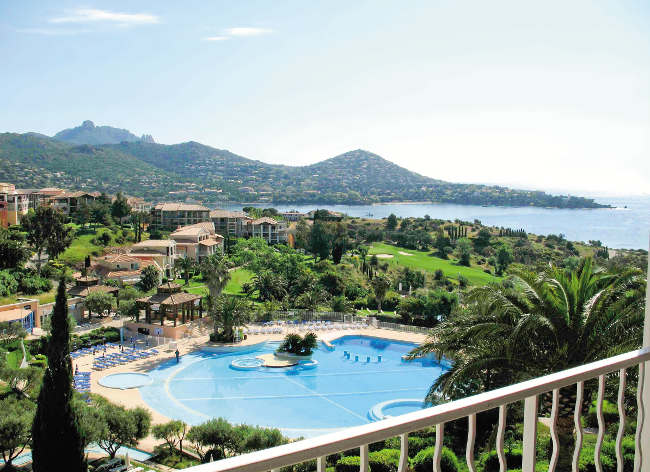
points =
(131, 398)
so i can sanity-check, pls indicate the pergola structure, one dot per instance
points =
(172, 304)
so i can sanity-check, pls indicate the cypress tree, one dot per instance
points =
(56, 439)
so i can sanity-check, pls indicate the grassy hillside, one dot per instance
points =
(425, 261)
(31, 161)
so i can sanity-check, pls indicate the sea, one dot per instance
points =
(626, 226)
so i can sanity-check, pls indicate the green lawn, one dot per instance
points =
(238, 277)
(425, 261)
(45, 297)
(79, 249)
(82, 246)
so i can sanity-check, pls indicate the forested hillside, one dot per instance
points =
(157, 171)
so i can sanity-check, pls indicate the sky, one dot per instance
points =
(551, 95)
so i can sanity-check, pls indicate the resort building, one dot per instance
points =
(272, 231)
(38, 197)
(24, 311)
(161, 251)
(293, 215)
(4, 214)
(14, 204)
(197, 241)
(229, 223)
(124, 268)
(68, 202)
(173, 215)
(139, 204)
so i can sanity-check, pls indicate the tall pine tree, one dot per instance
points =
(56, 440)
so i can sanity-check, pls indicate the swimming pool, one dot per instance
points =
(302, 400)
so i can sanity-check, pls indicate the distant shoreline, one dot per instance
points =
(407, 202)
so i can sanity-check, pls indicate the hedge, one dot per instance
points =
(489, 461)
(608, 456)
(386, 460)
(416, 444)
(423, 461)
(348, 464)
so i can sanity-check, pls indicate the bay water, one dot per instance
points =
(627, 226)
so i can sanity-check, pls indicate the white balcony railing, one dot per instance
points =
(361, 436)
(320, 447)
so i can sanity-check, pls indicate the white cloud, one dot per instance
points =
(229, 33)
(91, 15)
(247, 31)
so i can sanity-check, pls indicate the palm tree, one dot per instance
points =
(186, 266)
(228, 313)
(539, 324)
(380, 285)
(312, 299)
(216, 273)
(271, 286)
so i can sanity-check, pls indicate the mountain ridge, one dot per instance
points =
(88, 133)
(195, 171)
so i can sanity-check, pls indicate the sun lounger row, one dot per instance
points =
(81, 381)
(303, 327)
(119, 358)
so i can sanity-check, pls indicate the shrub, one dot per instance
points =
(416, 444)
(610, 414)
(33, 285)
(354, 290)
(348, 464)
(489, 461)
(389, 303)
(586, 462)
(386, 460)
(423, 461)
(8, 284)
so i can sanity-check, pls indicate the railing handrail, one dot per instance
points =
(403, 327)
(358, 436)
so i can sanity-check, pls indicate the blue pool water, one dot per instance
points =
(125, 380)
(301, 401)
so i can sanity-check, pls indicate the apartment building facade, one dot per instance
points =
(69, 202)
(161, 251)
(197, 241)
(272, 231)
(229, 223)
(171, 216)
(14, 204)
